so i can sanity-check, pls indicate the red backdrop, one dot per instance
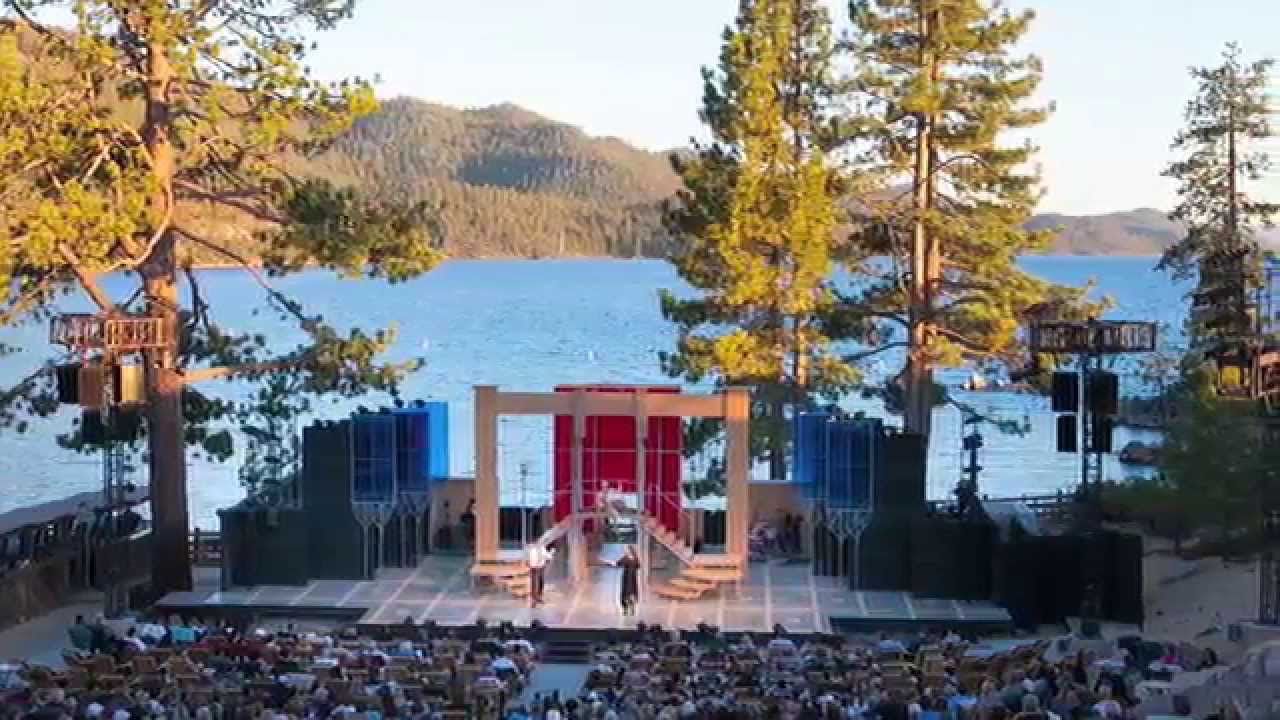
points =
(609, 457)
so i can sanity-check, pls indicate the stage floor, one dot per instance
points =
(440, 589)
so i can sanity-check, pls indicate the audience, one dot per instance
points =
(171, 669)
(178, 669)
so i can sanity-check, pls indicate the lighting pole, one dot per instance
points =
(524, 509)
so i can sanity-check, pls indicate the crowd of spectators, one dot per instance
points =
(707, 676)
(183, 670)
(176, 669)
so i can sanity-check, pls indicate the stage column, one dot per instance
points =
(737, 469)
(578, 550)
(641, 414)
(486, 485)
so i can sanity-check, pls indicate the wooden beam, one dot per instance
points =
(486, 485)
(615, 404)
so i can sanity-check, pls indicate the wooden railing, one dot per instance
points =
(124, 561)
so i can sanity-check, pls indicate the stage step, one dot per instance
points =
(693, 583)
(566, 652)
(676, 592)
(717, 560)
(498, 569)
(712, 574)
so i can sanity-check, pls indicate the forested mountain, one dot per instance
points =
(508, 181)
(511, 182)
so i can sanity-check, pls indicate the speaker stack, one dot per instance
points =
(1101, 402)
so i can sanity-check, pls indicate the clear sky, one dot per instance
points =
(1115, 68)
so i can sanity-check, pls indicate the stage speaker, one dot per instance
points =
(126, 425)
(900, 473)
(92, 429)
(1100, 434)
(68, 381)
(1066, 392)
(92, 383)
(1102, 394)
(1067, 434)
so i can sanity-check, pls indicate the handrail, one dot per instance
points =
(555, 532)
(682, 552)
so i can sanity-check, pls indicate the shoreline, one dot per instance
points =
(616, 258)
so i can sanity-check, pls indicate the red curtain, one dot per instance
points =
(609, 456)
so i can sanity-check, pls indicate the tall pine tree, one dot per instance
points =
(1221, 153)
(939, 86)
(756, 222)
(114, 137)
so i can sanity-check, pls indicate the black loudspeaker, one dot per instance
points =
(881, 560)
(122, 426)
(1067, 434)
(900, 473)
(126, 425)
(1101, 433)
(92, 429)
(1066, 392)
(68, 381)
(1123, 599)
(1102, 394)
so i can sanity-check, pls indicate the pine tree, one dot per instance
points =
(939, 87)
(1221, 153)
(114, 136)
(755, 225)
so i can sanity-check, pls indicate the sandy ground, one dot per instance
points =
(1187, 598)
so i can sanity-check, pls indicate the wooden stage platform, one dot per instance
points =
(440, 589)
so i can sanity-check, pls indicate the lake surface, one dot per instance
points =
(525, 325)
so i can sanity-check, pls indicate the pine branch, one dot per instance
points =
(229, 371)
(859, 357)
(88, 280)
(280, 298)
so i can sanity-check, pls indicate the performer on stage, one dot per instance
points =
(538, 557)
(629, 588)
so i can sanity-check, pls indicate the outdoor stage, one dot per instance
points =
(776, 592)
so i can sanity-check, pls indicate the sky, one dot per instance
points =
(1116, 70)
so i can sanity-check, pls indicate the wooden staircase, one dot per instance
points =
(511, 571)
(700, 572)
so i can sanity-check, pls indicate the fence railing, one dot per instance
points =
(123, 561)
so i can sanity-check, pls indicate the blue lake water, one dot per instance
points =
(525, 325)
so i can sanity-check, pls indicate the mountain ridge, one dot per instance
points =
(511, 182)
(508, 148)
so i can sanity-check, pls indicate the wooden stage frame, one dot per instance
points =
(733, 406)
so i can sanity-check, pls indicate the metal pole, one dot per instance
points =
(1084, 425)
(524, 505)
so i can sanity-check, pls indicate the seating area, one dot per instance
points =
(153, 668)
(709, 676)
(150, 670)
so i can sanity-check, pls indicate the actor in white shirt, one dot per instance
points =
(537, 556)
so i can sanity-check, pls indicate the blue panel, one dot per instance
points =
(374, 478)
(852, 448)
(833, 459)
(411, 451)
(438, 441)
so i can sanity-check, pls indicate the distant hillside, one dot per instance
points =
(1136, 232)
(510, 182)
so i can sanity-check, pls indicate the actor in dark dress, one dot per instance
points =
(629, 588)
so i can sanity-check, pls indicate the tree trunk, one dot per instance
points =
(171, 562)
(925, 259)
